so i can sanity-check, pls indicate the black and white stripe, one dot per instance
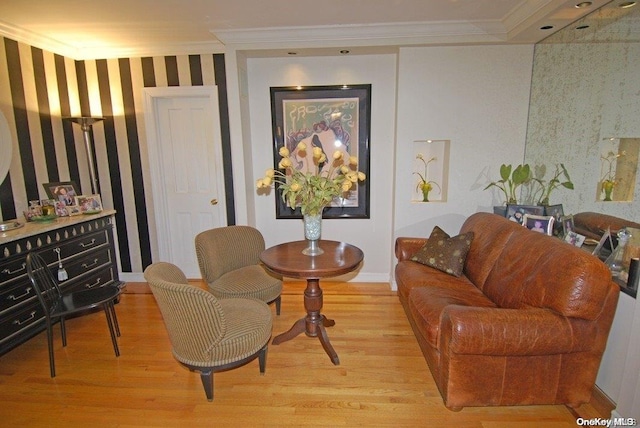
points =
(39, 88)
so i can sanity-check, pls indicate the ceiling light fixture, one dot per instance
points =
(627, 4)
(344, 51)
(581, 27)
(583, 4)
(546, 27)
(292, 53)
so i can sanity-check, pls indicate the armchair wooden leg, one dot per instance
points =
(278, 304)
(262, 359)
(207, 382)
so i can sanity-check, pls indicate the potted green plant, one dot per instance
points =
(510, 181)
(560, 179)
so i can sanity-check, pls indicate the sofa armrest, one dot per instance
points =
(499, 331)
(407, 247)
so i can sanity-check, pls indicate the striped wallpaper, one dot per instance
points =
(39, 88)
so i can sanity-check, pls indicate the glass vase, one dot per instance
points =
(312, 231)
(615, 261)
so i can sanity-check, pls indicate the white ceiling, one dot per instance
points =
(84, 29)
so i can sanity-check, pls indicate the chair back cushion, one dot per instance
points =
(224, 249)
(193, 317)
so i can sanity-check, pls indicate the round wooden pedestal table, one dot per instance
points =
(287, 260)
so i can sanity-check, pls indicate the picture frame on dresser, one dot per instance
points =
(516, 212)
(539, 223)
(567, 224)
(89, 204)
(64, 191)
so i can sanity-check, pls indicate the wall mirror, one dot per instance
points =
(5, 147)
(585, 90)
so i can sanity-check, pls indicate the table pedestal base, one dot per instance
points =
(313, 325)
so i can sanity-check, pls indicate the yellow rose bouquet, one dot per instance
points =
(315, 185)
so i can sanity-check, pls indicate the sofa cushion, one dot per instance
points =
(445, 253)
(427, 304)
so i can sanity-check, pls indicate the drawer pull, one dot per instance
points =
(10, 272)
(86, 266)
(87, 244)
(94, 284)
(14, 298)
(20, 322)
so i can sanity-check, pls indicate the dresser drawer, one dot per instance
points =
(97, 279)
(84, 264)
(13, 269)
(16, 293)
(76, 246)
(18, 321)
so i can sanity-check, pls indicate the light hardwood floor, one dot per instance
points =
(382, 380)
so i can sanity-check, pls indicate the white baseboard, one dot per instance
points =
(360, 277)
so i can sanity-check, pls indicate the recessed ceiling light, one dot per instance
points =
(626, 4)
(584, 4)
(546, 27)
(344, 51)
(292, 53)
(582, 27)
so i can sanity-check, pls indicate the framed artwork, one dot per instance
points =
(567, 224)
(516, 212)
(64, 191)
(331, 118)
(539, 223)
(89, 204)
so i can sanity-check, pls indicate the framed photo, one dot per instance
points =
(89, 204)
(567, 224)
(539, 223)
(64, 191)
(73, 210)
(61, 209)
(332, 118)
(516, 212)
(574, 239)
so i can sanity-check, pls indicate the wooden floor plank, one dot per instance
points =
(382, 380)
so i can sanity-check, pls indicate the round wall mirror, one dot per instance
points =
(5, 147)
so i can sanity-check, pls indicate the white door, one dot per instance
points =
(185, 154)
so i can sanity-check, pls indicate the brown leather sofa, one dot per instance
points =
(594, 225)
(526, 323)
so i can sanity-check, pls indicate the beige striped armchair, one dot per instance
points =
(229, 260)
(208, 334)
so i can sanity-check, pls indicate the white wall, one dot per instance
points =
(372, 235)
(475, 96)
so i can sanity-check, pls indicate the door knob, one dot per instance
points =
(214, 201)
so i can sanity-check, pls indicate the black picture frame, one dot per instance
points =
(64, 191)
(300, 113)
(567, 224)
(516, 212)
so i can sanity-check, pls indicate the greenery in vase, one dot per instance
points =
(316, 185)
(608, 180)
(510, 180)
(424, 185)
(556, 181)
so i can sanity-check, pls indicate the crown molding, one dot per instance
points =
(365, 35)
(107, 51)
